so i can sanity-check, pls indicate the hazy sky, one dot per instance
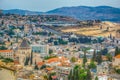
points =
(45, 5)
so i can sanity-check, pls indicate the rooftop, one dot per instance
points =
(24, 44)
(118, 56)
(49, 69)
(40, 63)
(57, 59)
(6, 50)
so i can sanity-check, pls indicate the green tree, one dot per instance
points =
(84, 59)
(7, 60)
(70, 75)
(50, 51)
(36, 67)
(55, 42)
(92, 65)
(94, 56)
(77, 74)
(109, 56)
(43, 66)
(89, 76)
(117, 51)
(76, 67)
(96, 78)
(26, 61)
(61, 41)
(51, 74)
(31, 58)
(73, 59)
(82, 74)
(3, 47)
(1, 57)
(117, 71)
(99, 58)
(45, 77)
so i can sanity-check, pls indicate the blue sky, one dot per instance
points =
(45, 5)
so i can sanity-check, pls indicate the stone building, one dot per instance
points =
(116, 60)
(43, 50)
(24, 51)
(26, 28)
(7, 53)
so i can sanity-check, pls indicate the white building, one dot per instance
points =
(7, 53)
(103, 77)
(43, 50)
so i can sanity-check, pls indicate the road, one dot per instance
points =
(51, 30)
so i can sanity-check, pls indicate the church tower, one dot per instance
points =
(24, 51)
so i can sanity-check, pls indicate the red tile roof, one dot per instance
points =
(40, 63)
(53, 60)
(49, 69)
(6, 50)
(118, 56)
(56, 59)
(16, 62)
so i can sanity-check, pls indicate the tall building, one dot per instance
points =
(26, 28)
(40, 49)
(24, 51)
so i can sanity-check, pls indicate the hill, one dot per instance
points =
(104, 29)
(21, 12)
(104, 13)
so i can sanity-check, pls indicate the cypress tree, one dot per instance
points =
(89, 77)
(31, 59)
(99, 58)
(36, 67)
(50, 77)
(70, 75)
(94, 56)
(96, 78)
(35, 61)
(76, 74)
(26, 61)
(117, 51)
(84, 59)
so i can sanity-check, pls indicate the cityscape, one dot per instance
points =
(64, 43)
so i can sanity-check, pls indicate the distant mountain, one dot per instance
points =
(21, 12)
(87, 13)
(104, 13)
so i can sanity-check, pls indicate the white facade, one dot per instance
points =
(7, 53)
(41, 49)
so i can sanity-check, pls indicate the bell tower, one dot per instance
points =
(24, 51)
